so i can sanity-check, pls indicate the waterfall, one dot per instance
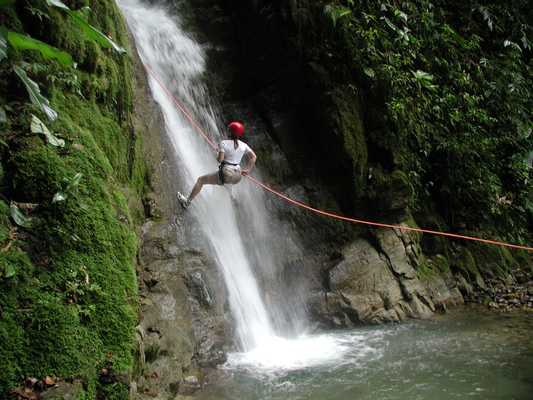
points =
(179, 63)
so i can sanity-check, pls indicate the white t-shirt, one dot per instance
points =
(233, 155)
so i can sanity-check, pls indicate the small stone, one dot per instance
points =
(49, 381)
(191, 380)
(30, 382)
(64, 391)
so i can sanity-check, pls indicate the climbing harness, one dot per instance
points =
(221, 170)
(328, 214)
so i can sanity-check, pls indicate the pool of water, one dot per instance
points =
(462, 355)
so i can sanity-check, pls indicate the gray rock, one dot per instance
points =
(373, 290)
(64, 391)
(392, 244)
(196, 282)
(190, 385)
(191, 380)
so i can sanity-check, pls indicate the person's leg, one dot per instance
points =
(210, 179)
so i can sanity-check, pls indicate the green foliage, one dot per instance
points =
(454, 83)
(35, 94)
(89, 31)
(3, 46)
(94, 34)
(336, 12)
(68, 290)
(24, 42)
(71, 188)
(37, 126)
(19, 218)
(57, 3)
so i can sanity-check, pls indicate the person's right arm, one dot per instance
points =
(220, 153)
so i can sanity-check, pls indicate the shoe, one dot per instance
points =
(183, 201)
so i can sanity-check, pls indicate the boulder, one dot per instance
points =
(64, 391)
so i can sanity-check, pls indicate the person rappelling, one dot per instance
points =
(229, 155)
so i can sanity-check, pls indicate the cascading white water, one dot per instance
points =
(178, 62)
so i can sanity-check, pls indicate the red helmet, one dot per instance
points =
(236, 128)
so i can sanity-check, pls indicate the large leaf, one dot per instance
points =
(35, 94)
(92, 33)
(74, 182)
(3, 46)
(72, 186)
(19, 218)
(58, 197)
(425, 79)
(9, 270)
(57, 3)
(3, 116)
(37, 126)
(335, 12)
(23, 42)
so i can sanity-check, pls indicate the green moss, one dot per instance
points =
(16, 294)
(39, 171)
(349, 126)
(390, 192)
(113, 391)
(425, 270)
(467, 264)
(4, 221)
(494, 261)
(60, 344)
(72, 304)
(96, 130)
(441, 263)
(11, 352)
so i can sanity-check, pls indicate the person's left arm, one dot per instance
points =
(252, 158)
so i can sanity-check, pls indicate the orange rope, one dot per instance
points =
(297, 203)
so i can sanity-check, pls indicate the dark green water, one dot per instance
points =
(463, 355)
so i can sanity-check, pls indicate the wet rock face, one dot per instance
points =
(378, 282)
(206, 300)
(182, 325)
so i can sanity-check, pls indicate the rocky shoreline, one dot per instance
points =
(511, 297)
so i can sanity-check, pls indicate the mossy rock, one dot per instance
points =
(466, 264)
(348, 128)
(390, 193)
(65, 391)
(441, 263)
(493, 261)
(70, 303)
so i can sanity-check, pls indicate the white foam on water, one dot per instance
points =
(278, 354)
